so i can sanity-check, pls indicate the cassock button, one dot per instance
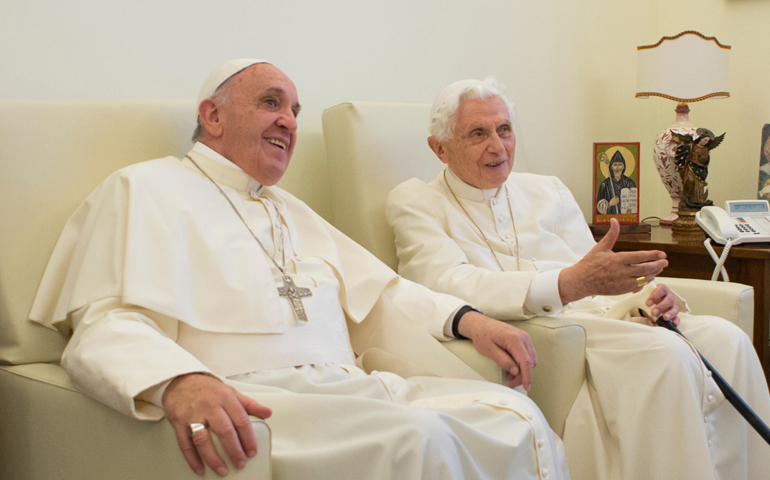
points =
(530, 416)
(500, 220)
(503, 401)
(540, 444)
(544, 473)
(546, 308)
(508, 236)
(394, 389)
(477, 399)
(711, 398)
(493, 202)
(708, 374)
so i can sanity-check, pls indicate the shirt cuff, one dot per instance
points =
(154, 394)
(450, 321)
(543, 296)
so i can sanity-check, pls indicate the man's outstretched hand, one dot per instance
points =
(604, 272)
(199, 398)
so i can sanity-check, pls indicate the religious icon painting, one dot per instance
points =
(764, 165)
(616, 183)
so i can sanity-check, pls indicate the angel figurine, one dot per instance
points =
(692, 159)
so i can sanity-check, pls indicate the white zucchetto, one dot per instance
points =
(222, 73)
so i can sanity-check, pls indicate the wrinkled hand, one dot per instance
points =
(198, 398)
(665, 304)
(604, 272)
(508, 346)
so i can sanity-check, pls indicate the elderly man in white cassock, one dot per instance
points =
(516, 245)
(197, 289)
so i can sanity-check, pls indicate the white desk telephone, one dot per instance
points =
(743, 221)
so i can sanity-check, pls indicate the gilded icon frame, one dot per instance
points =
(616, 197)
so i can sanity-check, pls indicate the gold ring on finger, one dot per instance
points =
(641, 281)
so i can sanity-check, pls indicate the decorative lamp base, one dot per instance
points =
(663, 153)
(685, 230)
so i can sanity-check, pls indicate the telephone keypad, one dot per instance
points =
(744, 227)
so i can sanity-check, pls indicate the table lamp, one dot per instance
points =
(688, 67)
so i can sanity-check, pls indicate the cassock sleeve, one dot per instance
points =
(117, 352)
(543, 297)
(432, 310)
(435, 311)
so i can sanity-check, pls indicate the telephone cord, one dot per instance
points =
(719, 260)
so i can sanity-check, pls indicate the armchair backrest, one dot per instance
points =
(53, 154)
(371, 148)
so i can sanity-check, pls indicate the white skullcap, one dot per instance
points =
(222, 73)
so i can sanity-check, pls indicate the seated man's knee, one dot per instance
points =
(719, 328)
(673, 352)
(426, 427)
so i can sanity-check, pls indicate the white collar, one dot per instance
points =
(469, 192)
(241, 182)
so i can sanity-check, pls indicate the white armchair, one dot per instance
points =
(53, 154)
(372, 147)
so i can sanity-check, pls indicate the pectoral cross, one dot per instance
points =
(295, 294)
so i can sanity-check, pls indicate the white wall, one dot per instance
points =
(570, 66)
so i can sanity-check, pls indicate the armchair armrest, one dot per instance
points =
(52, 430)
(560, 372)
(731, 301)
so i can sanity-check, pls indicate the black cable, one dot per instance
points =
(730, 394)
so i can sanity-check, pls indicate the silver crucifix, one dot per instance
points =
(295, 294)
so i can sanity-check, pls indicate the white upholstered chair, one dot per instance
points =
(52, 154)
(372, 147)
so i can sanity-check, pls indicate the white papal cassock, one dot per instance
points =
(648, 408)
(158, 277)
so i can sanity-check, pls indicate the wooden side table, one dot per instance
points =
(747, 264)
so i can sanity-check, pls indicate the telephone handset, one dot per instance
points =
(717, 223)
(744, 221)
